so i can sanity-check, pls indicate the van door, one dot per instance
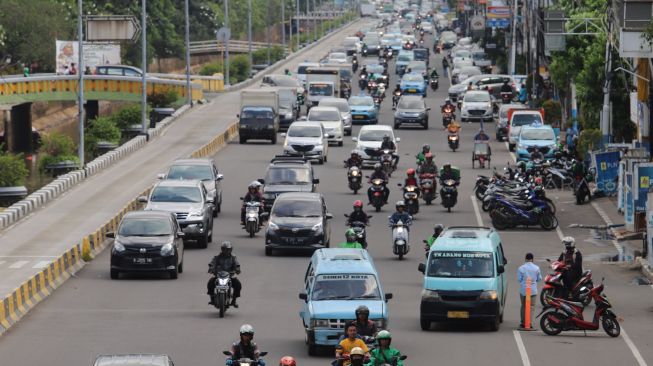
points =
(503, 282)
(305, 313)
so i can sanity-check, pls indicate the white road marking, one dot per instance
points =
(477, 212)
(18, 264)
(633, 349)
(559, 232)
(522, 350)
(512, 154)
(42, 264)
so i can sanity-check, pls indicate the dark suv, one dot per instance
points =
(287, 174)
(411, 109)
(298, 221)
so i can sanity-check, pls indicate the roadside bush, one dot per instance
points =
(162, 99)
(56, 148)
(588, 140)
(12, 170)
(552, 112)
(101, 129)
(210, 69)
(130, 115)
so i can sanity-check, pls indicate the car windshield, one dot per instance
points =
(257, 114)
(463, 53)
(190, 172)
(342, 105)
(145, 227)
(321, 89)
(297, 208)
(478, 56)
(544, 134)
(525, 119)
(287, 175)
(361, 101)
(322, 115)
(345, 73)
(373, 135)
(345, 287)
(411, 104)
(461, 264)
(305, 131)
(338, 56)
(477, 97)
(413, 77)
(467, 70)
(421, 53)
(288, 82)
(348, 42)
(417, 67)
(176, 194)
(406, 57)
(302, 69)
(375, 69)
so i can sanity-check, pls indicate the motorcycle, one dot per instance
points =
(387, 161)
(354, 65)
(252, 217)
(553, 286)
(411, 198)
(359, 229)
(362, 82)
(434, 83)
(377, 190)
(245, 361)
(453, 140)
(447, 116)
(427, 186)
(395, 99)
(222, 293)
(400, 245)
(506, 97)
(354, 178)
(562, 315)
(508, 214)
(449, 193)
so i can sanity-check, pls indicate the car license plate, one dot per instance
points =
(142, 260)
(458, 314)
(412, 90)
(359, 117)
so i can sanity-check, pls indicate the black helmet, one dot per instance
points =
(377, 167)
(226, 247)
(438, 229)
(426, 147)
(386, 138)
(362, 310)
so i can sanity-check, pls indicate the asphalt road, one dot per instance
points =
(92, 314)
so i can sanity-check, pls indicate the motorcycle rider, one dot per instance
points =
(400, 215)
(437, 230)
(448, 173)
(421, 156)
(227, 262)
(470, 86)
(445, 65)
(350, 343)
(387, 143)
(287, 361)
(481, 136)
(351, 243)
(253, 195)
(357, 357)
(536, 154)
(384, 354)
(506, 88)
(245, 348)
(434, 74)
(358, 214)
(354, 160)
(428, 167)
(379, 174)
(287, 72)
(453, 127)
(364, 326)
(411, 179)
(573, 259)
(364, 71)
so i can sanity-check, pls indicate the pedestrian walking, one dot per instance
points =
(526, 271)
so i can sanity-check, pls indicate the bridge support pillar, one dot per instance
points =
(18, 128)
(92, 110)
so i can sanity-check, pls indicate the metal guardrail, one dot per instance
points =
(214, 46)
(211, 84)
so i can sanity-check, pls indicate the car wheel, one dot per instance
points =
(215, 211)
(274, 139)
(426, 125)
(181, 266)
(340, 143)
(174, 273)
(312, 349)
(396, 127)
(115, 274)
(242, 140)
(494, 324)
(268, 251)
(203, 242)
(424, 324)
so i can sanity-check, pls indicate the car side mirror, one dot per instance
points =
(421, 267)
(403, 357)
(238, 115)
(219, 177)
(501, 269)
(347, 215)
(262, 353)
(111, 234)
(161, 176)
(265, 215)
(303, 296)
(142, 199)
(388, 296)
(428, 109)
(262, 181)
(329, 216)
(355, 139)
(398, 139)
(316, 181)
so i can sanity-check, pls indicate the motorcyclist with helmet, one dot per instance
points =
(364, 326)
(411, 179)
(357, 357)
(350, 343)
(245, 348)
(384, 354)
(536, 154)
(506, 88)
(437, 230)
(226, 262)
(358, 214)
(354, 160)
(387, 143)
(453, 127)
(253, 195)
(448, 104)
(400, 215)
(573, 259)
(428, 167)
(426, 148)
(448, 173)
(351, 242)
(287, 361)
(379, 174)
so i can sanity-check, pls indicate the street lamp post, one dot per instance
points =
(283, 24)
(144, 67)
(80, 101)
(297, 22)
(249, 34)
(308, 24)
(226, 46)
(315, 21)
(189, 95)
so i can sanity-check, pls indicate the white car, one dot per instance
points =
(343, 106)
(427, 28)
(331, 120)
(352, 44)
(461, 54)
(476, 106)
(307, 139)
(337, 58)
(369, 139)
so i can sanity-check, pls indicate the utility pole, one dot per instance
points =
(189, 95)
(144, 67)
(80, 82)
(513, 43)
(283, 24)
(308, 24)
(605, 111)
(226, 46)
(290, 27)
(267, 33)
(297, 22)
(249, 35)
(315, 21)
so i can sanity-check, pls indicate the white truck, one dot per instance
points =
(368, 10)
(288, 105)
(322, 82)
(259, 114)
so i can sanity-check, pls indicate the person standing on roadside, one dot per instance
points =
(525, 271)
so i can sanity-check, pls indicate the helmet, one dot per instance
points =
(428, 156)
(410, 172)
(226, 245)
(447, 100)
(357, 351)
(426, 147)
(400, 204)
(358, 203)
(247, 329)
(438, 229)
(377, 167)
(569, 242)
(253, 185)
(362, 310)
(384, 334)
(446, 166)
(354, 153)
(287, 361)
(350, 235)
(386, 138)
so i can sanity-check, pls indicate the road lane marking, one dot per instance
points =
(522, 350)
(477, 212)
(633, 349)
(559, 232)
(18, 264)
(42, 264)
(512, 154)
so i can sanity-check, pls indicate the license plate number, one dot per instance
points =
(412, 90)
(142, 260)
(458, 314)
(359, 117)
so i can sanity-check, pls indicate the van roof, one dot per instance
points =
(340, 260)
(467, 238)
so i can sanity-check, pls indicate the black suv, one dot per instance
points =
(411, 109)
(298, 221)
(422, 54)
(287, 174)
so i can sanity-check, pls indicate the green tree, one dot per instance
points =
(57, 147)
(12, 170)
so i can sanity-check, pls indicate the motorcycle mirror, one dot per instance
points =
(501, 269)
(241, 198)
(398, 184)
(403, 357)
(388, 296)
(262, 353)
(303, 296)
(346, 215)
(425, 242)
(421, 267)
(262, 181)
(226, 353)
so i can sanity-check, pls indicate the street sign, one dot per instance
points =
(478, 23)
(498, 23)
(223, 34)
(112, 28)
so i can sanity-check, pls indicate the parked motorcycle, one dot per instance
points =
(253, 217)
(449, 193)
(427, 186)
(509, 214)
(400, 245)
(354, 177)
(453, 140)
(222, 293)
(553, 286)
(377, 189)
(562, 315)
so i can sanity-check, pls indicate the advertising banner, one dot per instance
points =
(607, 170)
(644, 175)
(498, 12)
(95, 54)
(629, 215)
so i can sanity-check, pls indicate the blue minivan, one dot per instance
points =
(464, 278)
(336, 282)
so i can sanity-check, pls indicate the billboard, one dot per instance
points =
(607, 170)
(95, 54)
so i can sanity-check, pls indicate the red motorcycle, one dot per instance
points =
(562, 315)
(553, 286)
(428, 187)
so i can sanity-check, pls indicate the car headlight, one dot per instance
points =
(272, 226)
(285, 144)
(430, 296)
(288, 115)
(118, 248)
(489, 106)
(318, 148)
(194, 215)
(320, 323)
(488, 295)
(317, 228)
(167, 250)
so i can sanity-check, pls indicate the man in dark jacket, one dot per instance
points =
(574, 261)
(227, 263)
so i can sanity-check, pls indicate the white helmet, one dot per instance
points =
(247, 329)
(569, 242)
